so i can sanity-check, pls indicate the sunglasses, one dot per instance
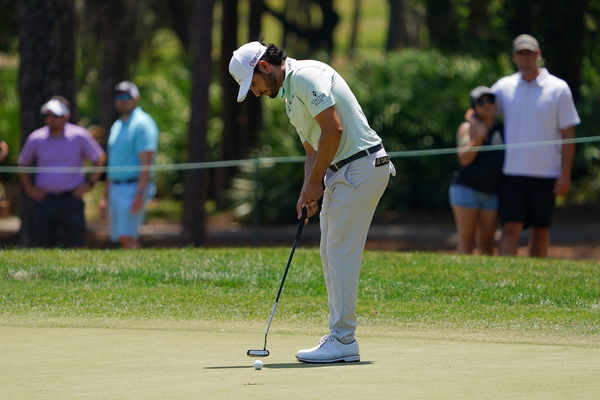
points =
(482, 101)
(123, 96)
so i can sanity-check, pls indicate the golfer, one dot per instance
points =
(341, 149)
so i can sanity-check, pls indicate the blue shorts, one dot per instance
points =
(463, 196)
(122, 221)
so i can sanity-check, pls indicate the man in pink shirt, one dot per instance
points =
(58, 195)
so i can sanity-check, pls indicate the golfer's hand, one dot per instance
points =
(309, 197)
(310, 210)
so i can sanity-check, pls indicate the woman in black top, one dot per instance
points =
(473, 194)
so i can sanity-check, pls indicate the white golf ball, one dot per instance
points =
(257, 364)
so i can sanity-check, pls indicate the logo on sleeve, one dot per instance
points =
(318, 98)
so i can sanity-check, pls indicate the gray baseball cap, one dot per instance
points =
(480, 91)
(525, 42)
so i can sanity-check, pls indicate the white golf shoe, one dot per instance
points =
(329, 350)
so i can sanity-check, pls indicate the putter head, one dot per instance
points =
(257, 353)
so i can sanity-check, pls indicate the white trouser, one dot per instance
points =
(349, 202)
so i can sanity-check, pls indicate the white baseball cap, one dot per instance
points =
(55, 107)
(128, 87)
(242, 65)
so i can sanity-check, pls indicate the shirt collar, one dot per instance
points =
(135, 110)
(539, 80)
(290, 66)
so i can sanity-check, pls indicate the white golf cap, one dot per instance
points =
(242, 64)
(55, 107)
(128, 87)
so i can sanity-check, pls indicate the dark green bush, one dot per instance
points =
(414, 100)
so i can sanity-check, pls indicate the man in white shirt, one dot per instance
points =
(537, 107)
(342, 149)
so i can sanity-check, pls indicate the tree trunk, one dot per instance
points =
(543, 20)
(353, 43)
(116, 43)
(231, 140)
(194, 215)
(251, 122)
(47, 68)
(441, 24)
(397, 32)
(478, 19)
(297, 23)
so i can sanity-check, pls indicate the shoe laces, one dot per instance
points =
(325, 339)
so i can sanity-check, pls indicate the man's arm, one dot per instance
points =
(30, 189)
(3, 150)
(317, 163)
(563, 183)
(143, 181)
(92, 179)
(470, 134)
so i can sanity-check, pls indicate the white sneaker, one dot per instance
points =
(330, 350)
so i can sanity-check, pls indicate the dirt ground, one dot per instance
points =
(575, 235)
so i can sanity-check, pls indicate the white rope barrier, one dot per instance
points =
(270, 161)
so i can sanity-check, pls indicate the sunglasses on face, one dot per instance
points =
(482, 101)
(123, 96)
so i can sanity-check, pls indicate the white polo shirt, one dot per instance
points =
(534, 111)
(311, 87)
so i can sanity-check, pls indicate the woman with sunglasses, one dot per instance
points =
(473, 193)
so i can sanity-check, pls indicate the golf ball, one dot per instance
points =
(257, 364)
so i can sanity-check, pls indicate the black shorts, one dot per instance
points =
(526, 199)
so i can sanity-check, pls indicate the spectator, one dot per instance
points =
(3, 150)
(473, 194)
(4, 204)
(58, 196)
(133, 142)
(537, 106)
(342, 149)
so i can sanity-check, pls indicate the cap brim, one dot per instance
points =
(526, 47)
(244, 88)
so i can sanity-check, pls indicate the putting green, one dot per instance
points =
(168, 362)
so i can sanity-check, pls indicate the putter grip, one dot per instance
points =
(301, 223)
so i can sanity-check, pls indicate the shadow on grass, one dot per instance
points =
(296, 365)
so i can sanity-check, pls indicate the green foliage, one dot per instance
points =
(415, 100)
(586, 165)
(10, 130)
(267, 193)
(397, 289)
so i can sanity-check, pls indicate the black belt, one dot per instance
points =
(363, 153)
(60, 194)
(123, 181)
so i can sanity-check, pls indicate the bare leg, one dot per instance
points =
(488, 221)
(511, 231)
(466, 225)
(129, 242)
(540, 241)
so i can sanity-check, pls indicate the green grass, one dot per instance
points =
(397, 289)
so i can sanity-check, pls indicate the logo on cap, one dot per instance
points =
(254, 60)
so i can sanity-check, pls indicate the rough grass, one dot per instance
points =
(397, 289)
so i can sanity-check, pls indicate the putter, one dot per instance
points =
(264, 352)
